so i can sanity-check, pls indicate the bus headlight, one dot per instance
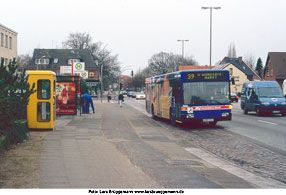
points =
(225, 114)
(190, 116)
(283, 103)
(265, 103)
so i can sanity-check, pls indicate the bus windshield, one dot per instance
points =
(270, 92)
(201, 93)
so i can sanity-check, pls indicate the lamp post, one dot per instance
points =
(211, 10)
(183, 41)
(101, 70)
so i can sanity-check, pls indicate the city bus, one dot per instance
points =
(190, 96)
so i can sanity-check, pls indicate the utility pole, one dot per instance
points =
(183, 41)
(101, 69)
(211, 11)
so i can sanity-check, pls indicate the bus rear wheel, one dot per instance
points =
(152, 112)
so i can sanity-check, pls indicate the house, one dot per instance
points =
(8, 44)
(275, 67)
(239, 70)
(124, 80)
(183, 67)
(58, 60)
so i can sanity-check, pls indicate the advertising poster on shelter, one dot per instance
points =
(66, 98)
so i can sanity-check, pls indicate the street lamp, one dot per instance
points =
(101, 70)
(211, 10)
(183, 41)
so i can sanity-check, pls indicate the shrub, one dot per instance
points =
(14, 97)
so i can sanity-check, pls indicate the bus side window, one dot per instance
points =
(44, 89)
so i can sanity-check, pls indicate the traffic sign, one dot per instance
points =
(84, 74)
(79, 67)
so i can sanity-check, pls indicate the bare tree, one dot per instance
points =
(231, 51)
(23, 61)
(250, 60)
(188, 61)
(78, 41)
(162, 63)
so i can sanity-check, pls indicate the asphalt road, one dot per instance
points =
(268, 131)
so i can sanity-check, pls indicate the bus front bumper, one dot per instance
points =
(193, 117)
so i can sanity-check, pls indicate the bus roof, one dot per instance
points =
(180, 74)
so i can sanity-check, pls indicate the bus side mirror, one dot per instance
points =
(232, 81)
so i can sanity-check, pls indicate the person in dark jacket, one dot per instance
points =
(86, 100)
(109, 96)
(121, 98)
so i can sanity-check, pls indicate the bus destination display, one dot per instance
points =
(200, 76)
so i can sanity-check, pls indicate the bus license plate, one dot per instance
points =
(207, 120)
(275, 111)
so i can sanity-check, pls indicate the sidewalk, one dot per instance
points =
(122, 148)
(77, 155)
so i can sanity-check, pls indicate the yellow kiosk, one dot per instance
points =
(41, 110)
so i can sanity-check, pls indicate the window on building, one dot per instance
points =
(271, 73)
(10, 42)
(6, 41)
(267, 70)
(42, 61)
(230, 71)
(2, 40)
(56, 60)
(73, 60)
(6, 61)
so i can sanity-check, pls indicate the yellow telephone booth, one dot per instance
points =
(41, 110)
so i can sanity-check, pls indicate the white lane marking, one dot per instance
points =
(267, 122)
(235, 170)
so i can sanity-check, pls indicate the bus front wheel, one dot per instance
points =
(172, 118)
(245, 111)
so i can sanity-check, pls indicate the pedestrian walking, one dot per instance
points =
(121, 98)
(109, 96)
(86, 101)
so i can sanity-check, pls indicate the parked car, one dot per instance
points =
(133, 94)
(129, 94)
(234, 97)
(124, 92)
(140, 96)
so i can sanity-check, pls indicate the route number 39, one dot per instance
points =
(190, 76)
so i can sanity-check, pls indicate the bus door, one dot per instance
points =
(178, 100)
(158, 92)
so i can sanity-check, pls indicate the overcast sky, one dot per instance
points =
(137, 29)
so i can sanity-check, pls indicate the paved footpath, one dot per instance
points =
(122, 148)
